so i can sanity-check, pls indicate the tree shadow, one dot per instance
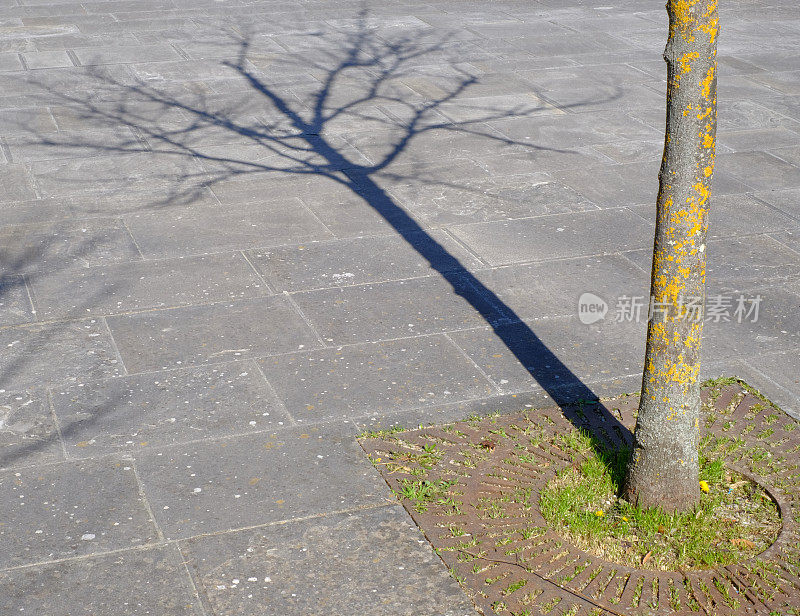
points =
(292, 131)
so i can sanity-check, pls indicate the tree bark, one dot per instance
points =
(663, 469)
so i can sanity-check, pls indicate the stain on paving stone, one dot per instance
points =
(15, 303)
(28, 434)
(372, 561)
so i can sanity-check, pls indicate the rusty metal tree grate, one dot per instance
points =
(488, 529)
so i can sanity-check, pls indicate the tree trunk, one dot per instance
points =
(663, 469)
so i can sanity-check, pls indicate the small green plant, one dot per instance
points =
(735, 518)
(385, 433)
(424, 492)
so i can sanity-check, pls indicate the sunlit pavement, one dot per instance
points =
(233, 235)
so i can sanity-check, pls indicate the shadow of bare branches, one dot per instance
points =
(358, 126)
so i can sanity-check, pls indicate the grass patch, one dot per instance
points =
(424, 492)
(735, 519)
(382, 434)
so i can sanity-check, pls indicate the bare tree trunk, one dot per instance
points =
(663, 469)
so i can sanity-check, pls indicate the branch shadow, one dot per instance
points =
(292, 131)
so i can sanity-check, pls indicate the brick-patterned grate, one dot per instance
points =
(512, 564)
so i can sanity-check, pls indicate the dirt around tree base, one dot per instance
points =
(475, 489)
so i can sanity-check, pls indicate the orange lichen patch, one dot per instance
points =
(686, 61)
(705, 113)
(707, 81)
(702, 190)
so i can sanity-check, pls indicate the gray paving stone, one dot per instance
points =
(31, 248)
(15, 303)
(214, 333)
(10, 62)
(258, 479)
(787, 201)
(789, 154)
(121, 54)
(48, 86)
(142, 285)
(552, 288)
(576, 129)
(357, 261)
(155, 582)
(777, 369)
(539, 160)
(785, 105)
(390, 310)
(147, 176)
(495, 198)
(46, 59)
(338, 564)
(566, 45)
(341, 210)
(760, 170)
(735, 88)
(773, 60)
(632, 151)
(78, 508)
(28, 434)
(146, 411)
(790, 239)
(748, 140)
(209, 49)
(182, 70)
(777, 328)
(787, 82)
(27, 122)
(556, 352)
(579, 97)
(33, 212)
(631, 184)
(56, 352)
(136, 25)
(434, 83)
(431, 148)
(65, 145)
(16, 183)
(753, 115)
(555, 237)
(189, 230)
(76, 40)
(376, 377)
(489, 107)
